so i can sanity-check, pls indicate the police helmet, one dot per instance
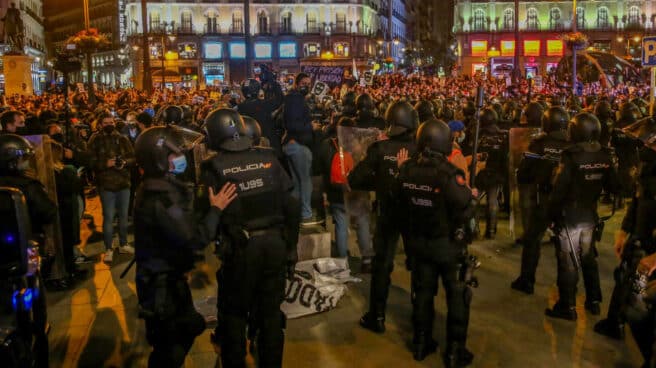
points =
(642, 105)
(226, 131)
(489, 117)
(253, 129)
(584, 127)
(434, 135)
(172, 114)
(629, 114)
(153, 147)
(603, 110)
(554, 119)
(447, 114)
(364, 102)
(533, 113)
(13, 147)
(401, 118)
(425, 110)
(250, 88)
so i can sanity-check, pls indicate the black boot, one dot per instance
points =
(457, 356)
(373, 323)
(593, 308)
(561, 311)
(423, 345)
(609, 328)
(522, 285)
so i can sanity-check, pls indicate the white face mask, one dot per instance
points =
(461, 138)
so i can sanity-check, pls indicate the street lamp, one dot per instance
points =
(171, 38)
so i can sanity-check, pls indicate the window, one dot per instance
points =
(479, 20)
(634, 15)
(479, 48)
(237, 23)
(340, 22)
(341, 49)
(312, 49)
(286, 24)
(555, 48)
(185, 22)
(508, 19)
(287, 50)
(262, 23)
(154, 22)
(213, 50)
(187, 50)
(580, 18)
(211, 26)
(532, 21)
(555, 19)
(237, 50)
(311, 23)
(263, 50)
(602, 18)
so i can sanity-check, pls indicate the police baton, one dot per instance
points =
(480, 100)
(125, 271)
(575, 256)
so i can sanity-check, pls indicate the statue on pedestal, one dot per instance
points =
(13, 29)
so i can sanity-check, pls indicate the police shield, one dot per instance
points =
(353, 145)
(42, 168)
(522, 197)
(643, 130)
(197, 152)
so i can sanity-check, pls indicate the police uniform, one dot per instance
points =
(260, 233)
(585, 169)
(434, 196)
(493, 142)
(166, 233)
(42, 211)
(536, 172)
(378, 172)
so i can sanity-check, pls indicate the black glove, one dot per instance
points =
(291, 269)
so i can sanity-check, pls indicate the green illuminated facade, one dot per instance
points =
(612, 26)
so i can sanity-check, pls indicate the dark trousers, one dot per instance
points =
(492, 211)
(532, 241)
(252, 278)
(172, 322)
(581, 236)
(386, 239)
(433, 263)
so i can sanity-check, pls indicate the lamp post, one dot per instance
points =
(574, 47)
(135, 48)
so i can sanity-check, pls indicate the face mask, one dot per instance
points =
(179, 165)
(108, 129)
(133, 132)
(304, 90)
(461, 138)
(58, 137)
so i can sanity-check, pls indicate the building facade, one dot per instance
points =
(485, 31)
(202, 43)
(33, 39)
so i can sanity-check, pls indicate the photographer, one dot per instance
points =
(112, 156)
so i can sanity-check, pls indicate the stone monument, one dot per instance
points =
(17, 65)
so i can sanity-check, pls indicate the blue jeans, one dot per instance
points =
(300, 162)
(341, 219)
(111, 202)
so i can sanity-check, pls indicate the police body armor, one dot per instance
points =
(590, 168)
(539, 168)
(493, 142)
(259, 205)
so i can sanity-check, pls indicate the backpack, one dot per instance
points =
(341, 165)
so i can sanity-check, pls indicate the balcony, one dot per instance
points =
(263, 30)
(185, 30)
(553, 26)
(236, 29)
(313, 29)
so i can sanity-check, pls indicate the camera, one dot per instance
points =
(119, 162)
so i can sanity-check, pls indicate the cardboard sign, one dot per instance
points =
(320, 89)
(330, 75)
(369, 77)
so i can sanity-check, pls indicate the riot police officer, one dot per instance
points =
(166, 235)
(585, 169)
(634, 240)
(434, 195)
(259, 234)
(377, 172)
(171, 114)
(15, 155)
(365, 113)
(254, 132)
(604, 112)
(626, 149)
(533, 114)
(536, 170)
(425, 110)
(494, 143)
